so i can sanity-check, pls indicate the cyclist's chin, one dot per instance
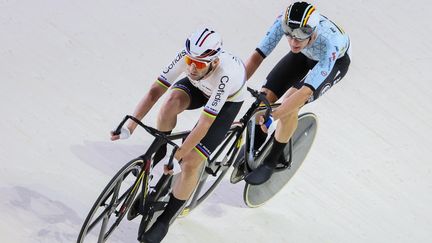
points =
(296, 49)
(194, 76)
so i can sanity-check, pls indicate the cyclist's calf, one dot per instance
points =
(286, 127)
(191, 165)
(191, 162)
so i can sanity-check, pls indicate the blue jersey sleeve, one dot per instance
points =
(332, 43)
(271, 39)
(322, 69)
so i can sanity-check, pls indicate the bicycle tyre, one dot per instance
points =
(117, 197)
(303, 137)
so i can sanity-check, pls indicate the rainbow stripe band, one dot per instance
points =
(163, 83)
(202, 151)
(180, 89)
(210, 113)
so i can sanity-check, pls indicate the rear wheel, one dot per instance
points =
(302, 139)
(112, 204)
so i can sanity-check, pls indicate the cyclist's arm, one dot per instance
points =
(252, 63)
(210, 112)
(168, 75)
(323, 68)
(146, 103)
(196, 135)
(265, 47)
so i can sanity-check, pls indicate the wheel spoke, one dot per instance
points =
(105, 221)
(114, 199)
(96, 221)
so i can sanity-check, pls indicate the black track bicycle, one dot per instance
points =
(139, 186)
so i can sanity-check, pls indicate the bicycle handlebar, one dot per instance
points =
(156, 133)
(261, 98)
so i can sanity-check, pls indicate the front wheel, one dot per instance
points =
(112, 204)
(302, 139)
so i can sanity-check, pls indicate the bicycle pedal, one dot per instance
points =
(213, 168)
(238, 173)
(209, 171)
(282, 167)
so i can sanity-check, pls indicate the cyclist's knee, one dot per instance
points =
(192, 162)
(177, 101)
(289, 118)
(270, 95)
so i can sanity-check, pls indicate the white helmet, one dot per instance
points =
(204, 44)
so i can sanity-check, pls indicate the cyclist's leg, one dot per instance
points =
(270, 95)
(338, 72)
(284, 130)
(182, 189)
(183, 96)
(191, 165)
(177, 101)
(281, 78)
(288, 123)
(286, 74)
(193, 161)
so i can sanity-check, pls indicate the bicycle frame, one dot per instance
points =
(148, 163)
(113, 200)
(250, 143)
(234, 134)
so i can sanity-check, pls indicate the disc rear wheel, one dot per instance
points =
(303, 137)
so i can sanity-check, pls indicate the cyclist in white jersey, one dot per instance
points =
(215, 80)
(319, 58)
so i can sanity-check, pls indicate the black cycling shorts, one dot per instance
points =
(291, 71)
(222, 122)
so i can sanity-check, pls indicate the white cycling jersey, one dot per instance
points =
(225, 84)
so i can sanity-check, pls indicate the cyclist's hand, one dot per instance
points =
(179, 154)
(167, 171)
(265, 124)
(175, 169)
(124, 134)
